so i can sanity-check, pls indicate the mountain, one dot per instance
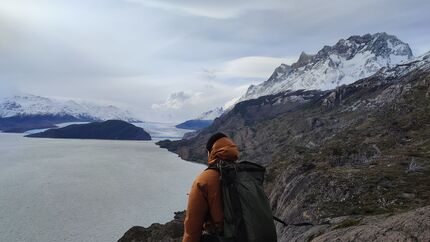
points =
(345, 159)
(202, 121)
(20, 124)
(24, 112)
(194, 124)
(343, 63)
(211, 114)
(111, 129)
(27, 105)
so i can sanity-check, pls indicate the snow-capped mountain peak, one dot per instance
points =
(27, 105)
(343, 63)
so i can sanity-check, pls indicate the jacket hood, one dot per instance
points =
(223, 149)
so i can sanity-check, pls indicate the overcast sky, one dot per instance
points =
(170, 60)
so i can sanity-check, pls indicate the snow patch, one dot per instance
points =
(23, 105)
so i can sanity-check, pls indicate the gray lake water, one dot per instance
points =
(87, 190)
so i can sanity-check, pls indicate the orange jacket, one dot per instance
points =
(204, 210)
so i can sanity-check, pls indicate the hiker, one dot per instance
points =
(227, 201)
(205, 208)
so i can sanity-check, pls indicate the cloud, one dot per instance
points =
(209, 73)
(183, 105)
(260, 67)
(220, 9)
(230, 103)
(138, 53)
(6, 89)
(175, 101)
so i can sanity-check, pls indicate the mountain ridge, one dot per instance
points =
(343, 63)
(28, 104)
(20, 113)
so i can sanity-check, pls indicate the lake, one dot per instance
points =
(87, 190)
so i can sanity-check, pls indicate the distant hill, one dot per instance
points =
(202, 121)
(22, 123)
(111, 129)
(194, 124)
(20, 113)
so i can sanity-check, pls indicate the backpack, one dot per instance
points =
(247, 212)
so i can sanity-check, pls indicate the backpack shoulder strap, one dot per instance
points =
(212, 167)
(221, 164)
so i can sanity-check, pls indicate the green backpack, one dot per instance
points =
(247, 212)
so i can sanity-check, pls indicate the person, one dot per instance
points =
(205, 209)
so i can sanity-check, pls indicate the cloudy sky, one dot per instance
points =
(170, 60)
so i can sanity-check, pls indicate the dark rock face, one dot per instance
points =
(169, 232)
(111, 129)
(358, 151)
(303, 60)
(194, 124)
(279, 71)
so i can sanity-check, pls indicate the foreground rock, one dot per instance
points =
(111, 129)
(169, 232)
(409, 226)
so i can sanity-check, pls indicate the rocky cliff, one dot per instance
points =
(408, 226)
(359, 152)
(169, 232)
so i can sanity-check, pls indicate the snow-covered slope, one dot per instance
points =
(421, 62)
(211, 114)
(343, 63)
(29, 105)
